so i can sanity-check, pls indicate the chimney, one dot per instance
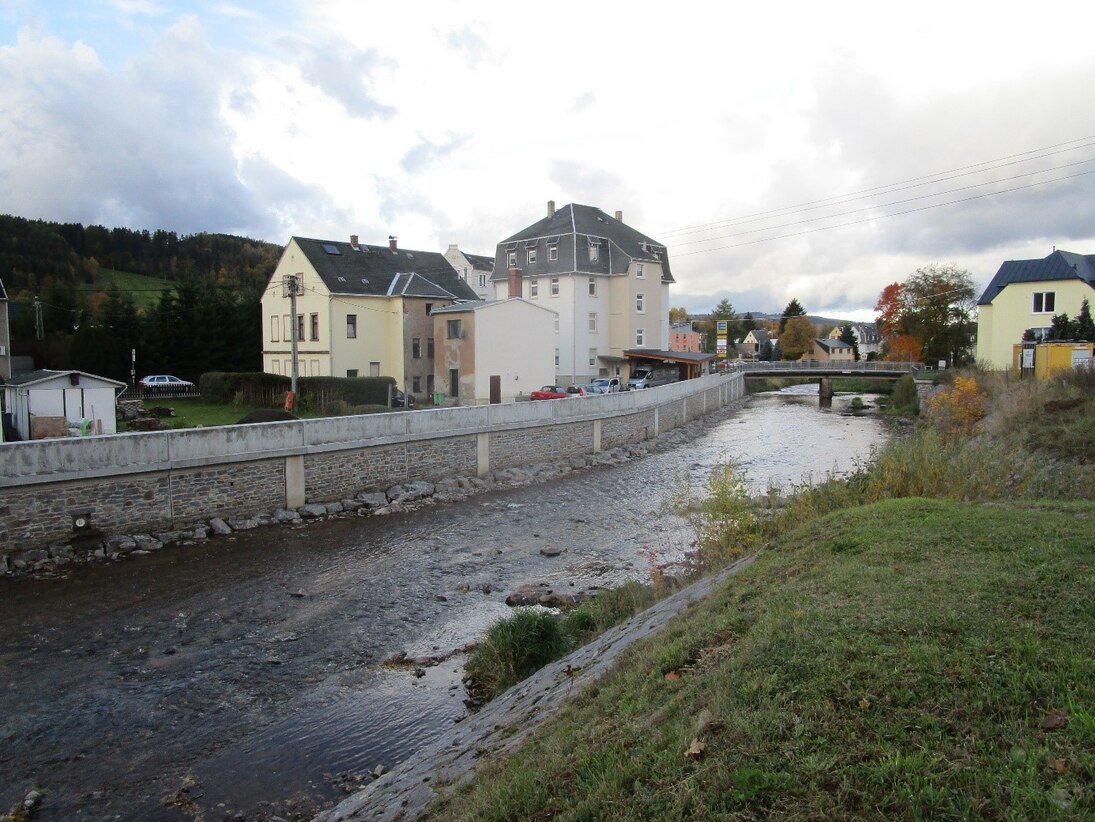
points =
(551, 209)
(353, 242)
(619, 216)
(392, 243)
(514, 277)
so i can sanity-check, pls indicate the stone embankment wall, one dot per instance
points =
(59, 491)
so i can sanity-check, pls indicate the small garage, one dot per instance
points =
(44, 404)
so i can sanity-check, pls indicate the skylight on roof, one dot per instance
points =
(331, 248)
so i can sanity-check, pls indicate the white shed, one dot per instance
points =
(46, 404)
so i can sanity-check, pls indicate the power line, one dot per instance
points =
(893, 186)
(887, 205)
(884, 216)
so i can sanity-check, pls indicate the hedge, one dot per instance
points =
(315, 393)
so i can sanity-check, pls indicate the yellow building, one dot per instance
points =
(361, 310)
(1024, 295)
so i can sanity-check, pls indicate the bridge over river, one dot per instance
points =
(826, 371)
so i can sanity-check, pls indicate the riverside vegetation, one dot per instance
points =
(913, 641)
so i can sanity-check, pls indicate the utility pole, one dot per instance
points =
(39, 326)
(290, 288)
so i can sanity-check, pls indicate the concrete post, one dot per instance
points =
(295, 492)
(825, 388)
(482, 453)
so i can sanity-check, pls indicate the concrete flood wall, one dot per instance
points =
(165, 480)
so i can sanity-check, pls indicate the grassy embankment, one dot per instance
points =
(914, 642)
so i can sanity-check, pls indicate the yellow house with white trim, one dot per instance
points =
(361, 310)
(1025, 294)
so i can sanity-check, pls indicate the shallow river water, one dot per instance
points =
(241, 678)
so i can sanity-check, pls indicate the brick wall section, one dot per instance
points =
(510, 449)
(37, 515)
(148, 499)
(338, 474)
(619, 431)
(671, 416)
(228, 490)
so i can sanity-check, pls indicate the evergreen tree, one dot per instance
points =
(1085, 326)
(793, 309)
(847, 336)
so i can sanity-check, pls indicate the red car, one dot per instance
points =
(549, 392)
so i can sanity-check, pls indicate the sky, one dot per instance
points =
(816, 151)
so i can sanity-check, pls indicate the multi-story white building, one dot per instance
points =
(474, 269)
(607, 282)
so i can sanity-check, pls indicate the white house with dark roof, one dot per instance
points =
(474, 269)
(1025, 294)
(608, 282)
(362, 310)
(829, 350)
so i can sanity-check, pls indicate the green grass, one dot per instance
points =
(194, 413)
(145, 291)
(915, 643)
(894, 661)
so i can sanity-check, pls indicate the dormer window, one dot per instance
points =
(594, 251)
(531, 256)
(511, 259)
(553, 252)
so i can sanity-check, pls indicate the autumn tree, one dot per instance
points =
(797, 338)
(793, 309)
(678, 315)
(929, 316)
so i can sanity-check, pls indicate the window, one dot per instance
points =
(374, 369)
(533, 288)
(454, 383)
(452, 329)
(416, 385)
(592, 357)
(416, 348)
(553, 252)
(640, 303)
(592, 321)
(429, 383)
(275, 366)
(511, 260)
(1044, 302)
(556, 357)
(554, 286)
(314, 321)
(639, 272)
(274, 329)
(556, 323)
(286, 328)
(351, 326)
(594, 253)
(300, 326)
(640, 336)
(429, 309)
(351, 372)
(482, 280)
(593, 286)
(531, 256)
(429, 347)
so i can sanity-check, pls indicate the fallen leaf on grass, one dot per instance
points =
(672, 676)
(1060, 765)
(695, 750)
(1054, 721)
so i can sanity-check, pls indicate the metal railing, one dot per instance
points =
(778, 366)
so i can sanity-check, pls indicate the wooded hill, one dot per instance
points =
(199, 311)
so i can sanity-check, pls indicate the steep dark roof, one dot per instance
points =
(832, 345)
(374, 270)
(480, 261)
(592, 222)
(1060, 265)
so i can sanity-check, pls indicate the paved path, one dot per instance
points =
(503, 724)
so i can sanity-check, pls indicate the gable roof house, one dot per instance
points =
(829, 350)
(608, 282)
(362, 310)
(752, 343)
(1025, 294)
(474, 269)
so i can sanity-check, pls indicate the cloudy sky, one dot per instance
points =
(808, 150)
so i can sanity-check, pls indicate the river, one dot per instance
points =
(241, 678)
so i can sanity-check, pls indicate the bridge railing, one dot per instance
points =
(817, 365)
